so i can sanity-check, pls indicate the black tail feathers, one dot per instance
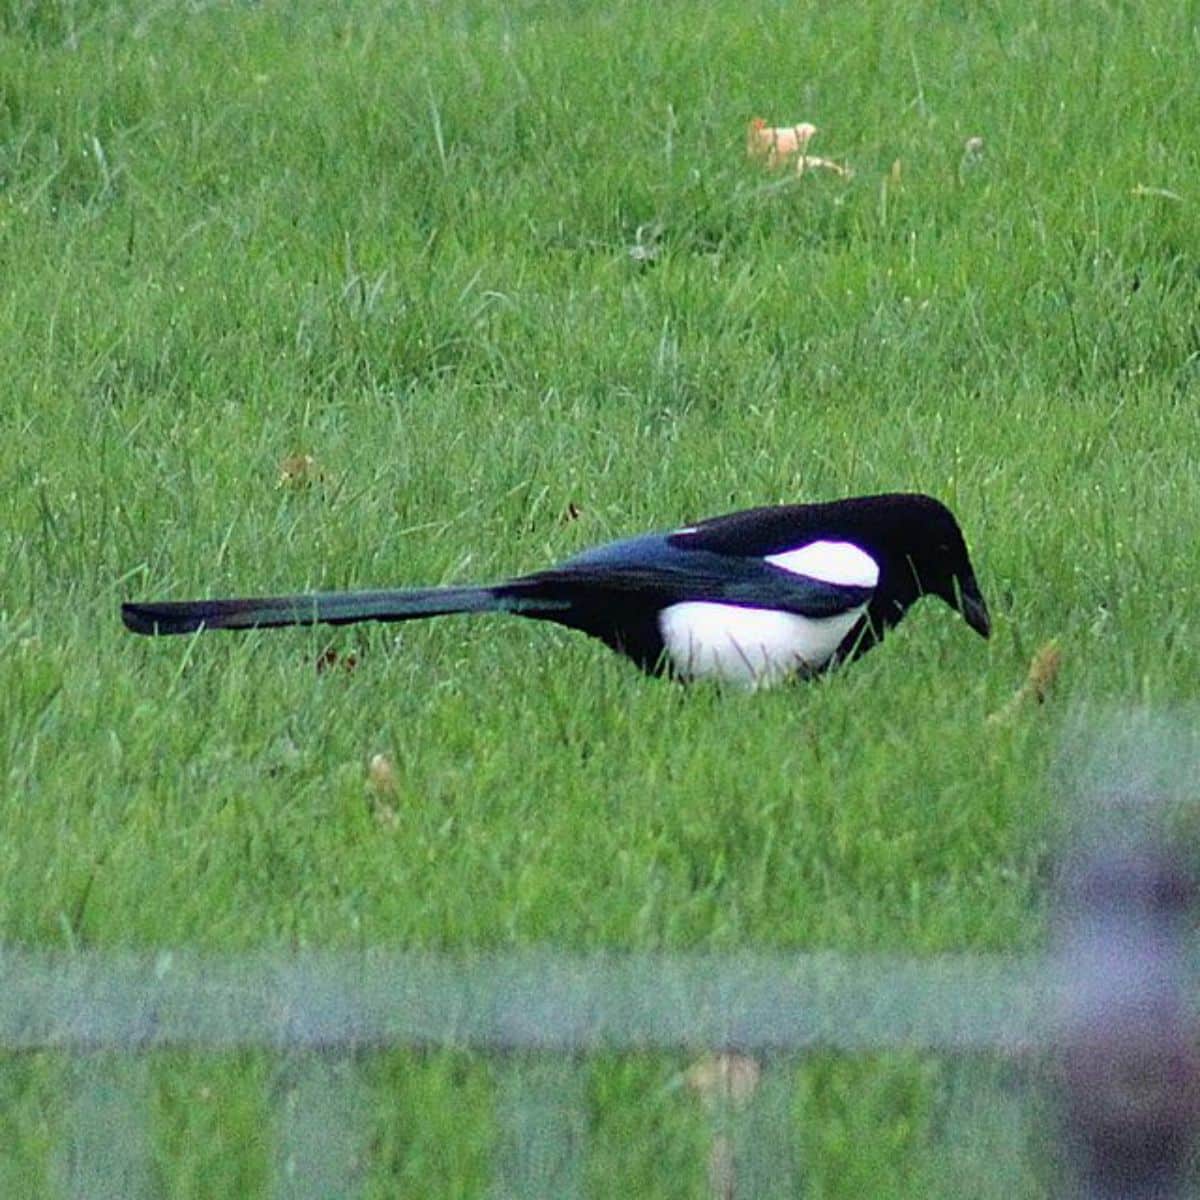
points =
(326, 608)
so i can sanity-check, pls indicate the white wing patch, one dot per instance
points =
(752, 647)
(831, 562)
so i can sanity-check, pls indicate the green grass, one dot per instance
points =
(396, 237)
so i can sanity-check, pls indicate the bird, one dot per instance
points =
(750, 598)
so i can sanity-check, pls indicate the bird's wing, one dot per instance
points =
(660, 572)
(754, 531)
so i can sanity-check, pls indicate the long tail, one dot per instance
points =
(328, 608)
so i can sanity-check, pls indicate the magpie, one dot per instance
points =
(749, 598)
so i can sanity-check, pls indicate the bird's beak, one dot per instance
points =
(974, 608)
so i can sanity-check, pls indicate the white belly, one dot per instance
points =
(748, 646)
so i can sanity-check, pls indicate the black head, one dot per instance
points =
(925, 555)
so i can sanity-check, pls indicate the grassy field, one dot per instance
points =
(396, 237)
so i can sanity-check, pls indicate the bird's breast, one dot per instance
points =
(751, 647)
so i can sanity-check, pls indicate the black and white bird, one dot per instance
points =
(749, 598)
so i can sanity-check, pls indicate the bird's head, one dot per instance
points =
(921, 552)
(937, 558)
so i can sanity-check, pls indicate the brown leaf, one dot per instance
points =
(1043, 670)
(776, 143)
(299, 471)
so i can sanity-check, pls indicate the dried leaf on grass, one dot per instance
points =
(381, 774)
(776, 143)
(1043, 671)
(300, 471)
(381, 783)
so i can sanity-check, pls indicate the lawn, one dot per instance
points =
(504, 273)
